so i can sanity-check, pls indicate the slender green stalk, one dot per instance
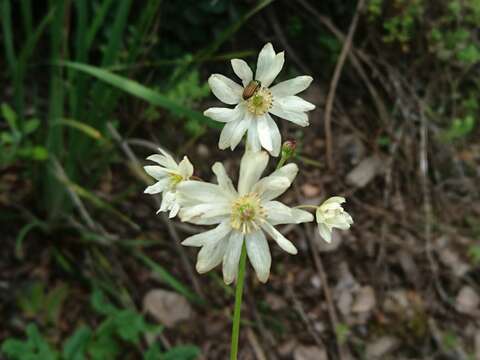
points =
(281, 162)
(238, 303)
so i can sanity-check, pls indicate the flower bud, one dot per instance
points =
(289, 148)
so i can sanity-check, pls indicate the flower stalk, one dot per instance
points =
(238, 303)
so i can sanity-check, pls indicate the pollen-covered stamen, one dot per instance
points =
(247, 213)
(260, 102)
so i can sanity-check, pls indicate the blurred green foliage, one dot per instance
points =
(119, 330)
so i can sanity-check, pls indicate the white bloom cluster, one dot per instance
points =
(243, 215)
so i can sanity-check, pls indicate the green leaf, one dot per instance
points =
(78, 125)
(14, 348)
(30, 126)
(38, 343)
(10, 116)
(39, 153)
(474, 253)
(22, 234)
(103, 348)
(54, 301)
(153, 353)
(130, 325)
(75, 346)
(100, 303)
(185, 352)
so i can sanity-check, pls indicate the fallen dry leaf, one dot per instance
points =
(381, 347)
(467, 301)
(365, 171)
(310, 190)
(310, 353)
(365, 300)
(167, 307)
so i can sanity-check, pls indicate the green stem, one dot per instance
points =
(238, 303)
(281, 162)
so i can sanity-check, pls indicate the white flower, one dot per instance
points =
(242, 214)
(168, 176)
(253, 114)
(331, 215)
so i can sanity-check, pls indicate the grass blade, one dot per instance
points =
(140, 91)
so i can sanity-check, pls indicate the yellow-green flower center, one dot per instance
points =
(175, 179)
(247, 213)
(261, 102)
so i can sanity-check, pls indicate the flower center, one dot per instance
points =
(247, 213)
(260, 102)
(175, 179)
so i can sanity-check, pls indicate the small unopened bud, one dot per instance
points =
(288, 149)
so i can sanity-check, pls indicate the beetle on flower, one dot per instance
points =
(256, 100)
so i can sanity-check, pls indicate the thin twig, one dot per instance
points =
(257, 348)
(334, 83)
(427, 204)
(354, 55)
(342, 352)
(284, 41)
(62, 176)
(299, 309)
(171, 229)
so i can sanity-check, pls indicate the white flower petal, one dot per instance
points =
(325, 232)
(214, 220)
(225, 114)
(335, 199)
(240, 130)
(251, 168)
(242, 70)
(253, 140)
(166, 160)
(192, 192)
(185, 168)
(204, 211)
(269, 65)
(275, 134)
(223, 179)
(281, 240)
(225, 89)
(278, 213)
(297, 117)
(174, 210)
(158, 186)
(264, 133)
(294, 103)
(168, 201)
(210, 236)
(157, 172)
(259, 254)
(277, 182)
(271, 187)
(211, 255)
(291, 87)
(227, 134)
(289, 171)
(232, 256)
(269, 74)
